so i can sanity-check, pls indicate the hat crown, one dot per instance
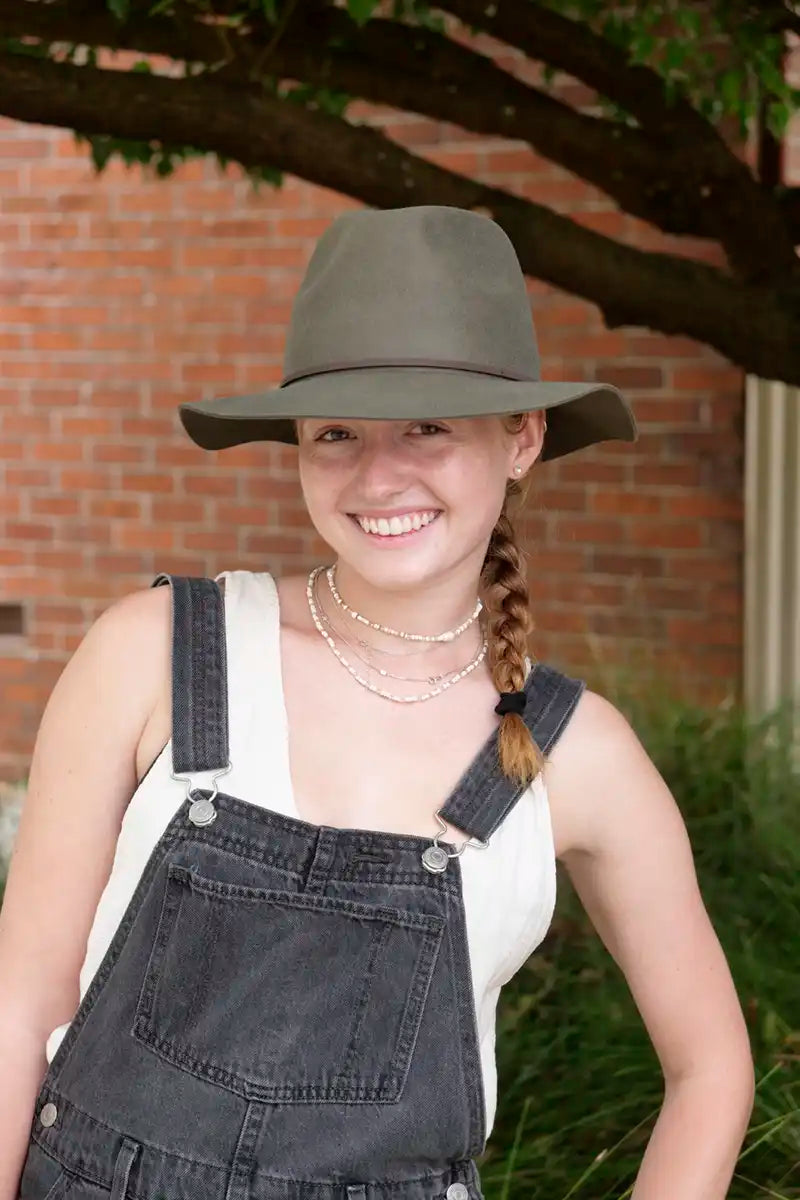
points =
(426, 284)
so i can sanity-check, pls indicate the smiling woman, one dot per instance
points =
(286, 839)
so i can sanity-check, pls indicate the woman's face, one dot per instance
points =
(402, 501)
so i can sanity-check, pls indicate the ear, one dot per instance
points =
(528, 443)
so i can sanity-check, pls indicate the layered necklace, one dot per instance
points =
(440, 683)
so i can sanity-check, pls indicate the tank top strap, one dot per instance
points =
(199, 675)
(259, 733)
(484, 796)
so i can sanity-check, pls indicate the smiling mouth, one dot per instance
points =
(396, 528)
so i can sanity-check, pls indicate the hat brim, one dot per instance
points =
(582, 413)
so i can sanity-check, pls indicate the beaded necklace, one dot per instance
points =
(436, 691)
(355, 642)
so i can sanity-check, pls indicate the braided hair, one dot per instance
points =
(509, 624)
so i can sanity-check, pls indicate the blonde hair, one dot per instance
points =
(509, 624)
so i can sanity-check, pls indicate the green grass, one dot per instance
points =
(579, 1084)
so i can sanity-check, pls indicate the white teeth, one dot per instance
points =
(392, 526)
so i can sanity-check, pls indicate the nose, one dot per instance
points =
(383, 469)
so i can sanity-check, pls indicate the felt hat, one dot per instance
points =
(412, 313)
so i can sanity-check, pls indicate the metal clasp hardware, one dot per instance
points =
(201, 811)
(434, 857)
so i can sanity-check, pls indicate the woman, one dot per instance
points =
(305, 851)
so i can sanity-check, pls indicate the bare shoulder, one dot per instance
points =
(596, 754)
(82, 775)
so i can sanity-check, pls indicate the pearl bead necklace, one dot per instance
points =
(449, 635)
(355, 642)
(365, 682)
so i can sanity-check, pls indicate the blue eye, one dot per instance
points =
(324, 438)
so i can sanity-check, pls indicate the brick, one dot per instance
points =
(145, 482)
(185, 511)
(66, 559)
(226, 540)
(679, 535)
(144, 538)
(625, 503)
(86, 426)
(589, 530)
(28, 531)
(130, 564)
(86, 480)
(55, 505)
(118, 452)
(624, 561)
(112, 507)
(210, 485)
(630, 377)
(57, 452)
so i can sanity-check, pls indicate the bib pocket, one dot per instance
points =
(286, 997)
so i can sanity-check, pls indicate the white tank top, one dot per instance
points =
(509, 887)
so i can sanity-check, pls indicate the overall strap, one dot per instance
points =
(484, 795)
(199, 675)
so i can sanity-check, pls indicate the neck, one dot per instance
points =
(427, 608)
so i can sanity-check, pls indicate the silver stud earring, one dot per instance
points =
(517, 470)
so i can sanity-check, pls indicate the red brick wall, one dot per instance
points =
(121, 296)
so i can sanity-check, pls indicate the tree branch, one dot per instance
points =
(758, 328)
(418, 70)
(749, 224)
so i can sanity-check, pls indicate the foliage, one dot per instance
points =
(726, 56)
(579, 1084)
(725, 65)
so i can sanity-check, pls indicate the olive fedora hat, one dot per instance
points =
(412, 313)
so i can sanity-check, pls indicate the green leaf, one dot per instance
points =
(361, 10)
(121, 9)
(101, 150)
(259, 175)
(730, 86)
(30, 49)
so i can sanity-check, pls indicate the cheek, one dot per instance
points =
(322, 484)
(476, 480)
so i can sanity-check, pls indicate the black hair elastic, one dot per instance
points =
(513, 702)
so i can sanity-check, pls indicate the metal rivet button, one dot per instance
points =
(202, 812)
(48, 1114)
(434, 859)
(457, 1191)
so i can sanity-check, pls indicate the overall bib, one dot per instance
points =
(286, 1010)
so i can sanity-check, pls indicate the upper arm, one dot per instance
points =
(631, 863)
(82, 776)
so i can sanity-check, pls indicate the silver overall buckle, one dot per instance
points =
(201, 810)
(434, 857)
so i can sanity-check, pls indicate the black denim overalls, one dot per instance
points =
(286, 1010)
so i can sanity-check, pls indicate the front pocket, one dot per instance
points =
(286, 997)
